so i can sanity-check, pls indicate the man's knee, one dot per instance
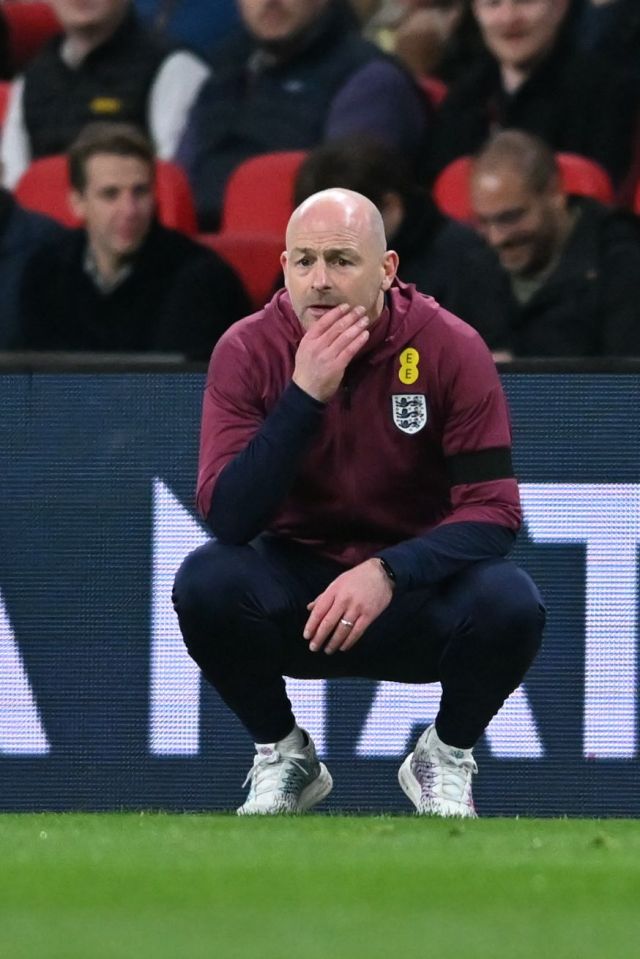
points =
(508, 604)
(209, 578)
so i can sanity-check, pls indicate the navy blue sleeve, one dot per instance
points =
(445, 550)
(253, 485)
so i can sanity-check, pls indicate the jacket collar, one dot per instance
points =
(405, 312)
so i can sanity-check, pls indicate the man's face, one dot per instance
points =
(116, 205)
(519, 32)
(88, 14)
(332, 257)
(520, 225)
(277, 20)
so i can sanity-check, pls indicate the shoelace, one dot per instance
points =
(260, 776)
(454, 772)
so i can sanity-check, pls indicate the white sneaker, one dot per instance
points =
(437, 777)
(285, 783)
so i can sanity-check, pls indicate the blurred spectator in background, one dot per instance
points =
(22, 233)
(612, 28)
(437, 38)
(125, 283)
(198, 24)
(299, 73)
(365, 8)
(104, 66)
(573, 264)
(444, 258)
(534, 79)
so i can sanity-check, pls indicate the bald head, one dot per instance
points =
(337, 208)
(523, 153)
(336, 253)
(518, 201)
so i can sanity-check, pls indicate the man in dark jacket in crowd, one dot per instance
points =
(22, 233)
(533, 78)
(103, 66)
(299, 73)
(125, 283)
(573, 264)
(444, 258)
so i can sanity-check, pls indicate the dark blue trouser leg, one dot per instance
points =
(242, 612)
(499, 622)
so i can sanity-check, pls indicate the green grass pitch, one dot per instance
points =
(155, 886)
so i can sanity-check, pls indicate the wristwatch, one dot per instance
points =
(391, 576)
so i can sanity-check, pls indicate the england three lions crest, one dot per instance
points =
(409, 411)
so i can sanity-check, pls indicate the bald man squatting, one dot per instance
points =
(355, 471)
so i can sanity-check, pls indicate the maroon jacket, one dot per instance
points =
(417, 437)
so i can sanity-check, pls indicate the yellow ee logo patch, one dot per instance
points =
(409, 372)
(105, 105)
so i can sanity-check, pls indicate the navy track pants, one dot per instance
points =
(242, 610)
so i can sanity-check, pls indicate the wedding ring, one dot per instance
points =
(347, 623)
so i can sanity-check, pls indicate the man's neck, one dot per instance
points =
(106, 270)
(514, 76)
(78, 44)
(564, 226)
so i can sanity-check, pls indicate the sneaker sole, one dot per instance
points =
(314, 793)
(411, 787)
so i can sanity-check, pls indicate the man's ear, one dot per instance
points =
(76, 202)
(390, 267)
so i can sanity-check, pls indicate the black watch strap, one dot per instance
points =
(391, 576)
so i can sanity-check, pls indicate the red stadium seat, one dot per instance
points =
(174, 198)
(29, 27)
(5, 93)
(451, 189)
(585, 177)
(579, 174)
(255, 257)
(259, 193)
(44, 187)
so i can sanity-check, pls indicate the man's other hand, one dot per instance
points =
(356, 597)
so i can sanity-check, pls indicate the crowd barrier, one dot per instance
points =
(100, 707)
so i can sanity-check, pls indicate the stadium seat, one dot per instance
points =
(5, 92)
(259, 193)
(451, 189)
(579, 174)
(255, 257)
(44, 187)
(585, 177)
(29, 26)
(174, 198)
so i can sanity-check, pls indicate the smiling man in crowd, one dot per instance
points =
(572, 263)
(123, 282)
(355, 471)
